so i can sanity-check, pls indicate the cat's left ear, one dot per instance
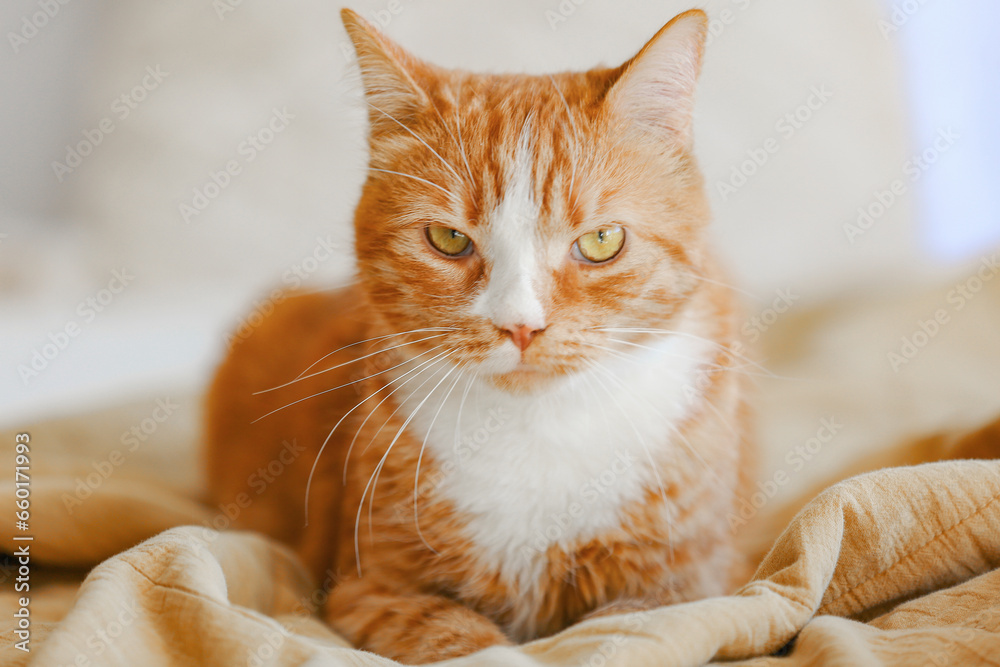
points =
(655, 90)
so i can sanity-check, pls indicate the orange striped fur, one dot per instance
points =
(520, 488)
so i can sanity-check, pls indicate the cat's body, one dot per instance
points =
(556, 435)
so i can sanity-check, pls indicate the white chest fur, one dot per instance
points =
(531, 471)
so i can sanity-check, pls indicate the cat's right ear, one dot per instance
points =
(389, 74)
(655, 91)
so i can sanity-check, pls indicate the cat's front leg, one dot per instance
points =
(413, 628)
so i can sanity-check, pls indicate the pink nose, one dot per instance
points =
(522, 335)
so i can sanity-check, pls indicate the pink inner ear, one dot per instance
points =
(663, 108)
(656, 91)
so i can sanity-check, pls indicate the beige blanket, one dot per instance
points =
(893, 567)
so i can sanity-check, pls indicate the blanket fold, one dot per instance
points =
(894, 567)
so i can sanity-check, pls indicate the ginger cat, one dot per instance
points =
(528, 409)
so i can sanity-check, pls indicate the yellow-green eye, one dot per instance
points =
(601, 245)
(449, 241)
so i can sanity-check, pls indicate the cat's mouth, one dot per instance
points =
(523, 372)
(522, 381)
(529, 376)
(534, 368)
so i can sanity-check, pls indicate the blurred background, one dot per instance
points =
(163, 166)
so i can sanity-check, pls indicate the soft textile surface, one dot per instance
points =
(928, 534)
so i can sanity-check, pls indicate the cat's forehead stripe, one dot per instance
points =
(511, 250)
(544, 127)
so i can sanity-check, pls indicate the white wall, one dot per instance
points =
(45, 62)
(786, 228)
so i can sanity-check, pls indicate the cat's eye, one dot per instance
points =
(450, 242)
(601, 245)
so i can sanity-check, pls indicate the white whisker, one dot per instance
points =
(710, 368)
(399, 432)
(347, 363)
(669, 332)
(347, 384)
(369, 340)
(420, 458)
(722, 418)
(668, 422)
(662, 351)
(424, 365)
(593, 392)
(381, 462)
(472, 181)
(461, 148)
(652, 464)
(618, 354)
(461, 406)
(753, 296)
(416, 178)
(415, 136)
(339, 422)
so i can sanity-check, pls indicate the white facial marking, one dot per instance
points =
(512, 251)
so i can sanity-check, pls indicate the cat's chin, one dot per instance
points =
(525, 379)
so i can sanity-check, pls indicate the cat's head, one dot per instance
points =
(522, 215)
